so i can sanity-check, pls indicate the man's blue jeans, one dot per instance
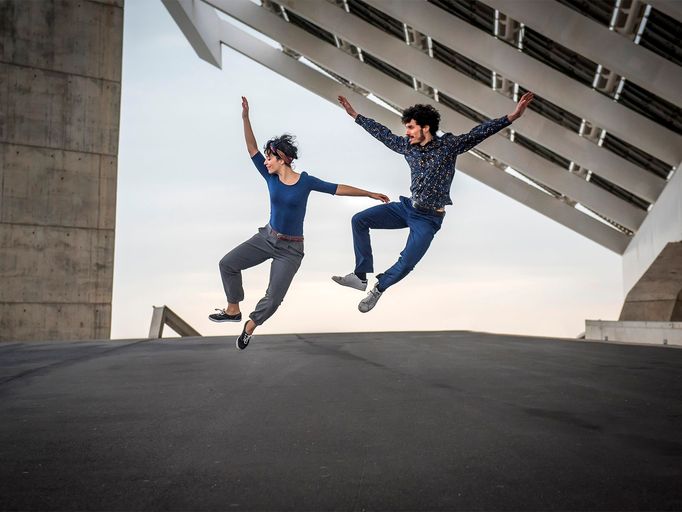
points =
(396, 215)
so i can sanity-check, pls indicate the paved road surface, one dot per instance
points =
(374, 421)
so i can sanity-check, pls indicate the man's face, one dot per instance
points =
(416, 133)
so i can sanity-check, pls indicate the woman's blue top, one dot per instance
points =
(288, 202)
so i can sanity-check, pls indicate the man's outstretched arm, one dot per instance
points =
(376, 130)
(463, 143)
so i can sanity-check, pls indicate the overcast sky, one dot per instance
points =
(188, 193)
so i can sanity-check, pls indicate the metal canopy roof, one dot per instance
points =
(604, 134)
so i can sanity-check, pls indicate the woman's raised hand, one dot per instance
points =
(245, 107)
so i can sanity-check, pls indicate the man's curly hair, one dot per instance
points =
(423, 115)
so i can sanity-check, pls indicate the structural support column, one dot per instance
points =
(657, 296)
(60, 70)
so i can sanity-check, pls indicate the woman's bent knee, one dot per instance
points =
(226, 266)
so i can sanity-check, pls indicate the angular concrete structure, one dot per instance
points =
(603, 145)
(60, 70)
(657, 296)
(599, 149)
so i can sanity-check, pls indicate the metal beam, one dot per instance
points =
(200, 25)
(521, 159)
(672, 8)
(481, 98)
(543, 203)
(329, 89)
(534, 75)
(599, 44)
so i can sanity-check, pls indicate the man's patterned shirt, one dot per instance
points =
(432, 166)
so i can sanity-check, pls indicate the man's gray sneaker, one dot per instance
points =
(371, 300)
(352, 281)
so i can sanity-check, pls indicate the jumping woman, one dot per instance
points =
(281, 240)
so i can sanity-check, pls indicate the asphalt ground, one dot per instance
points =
(357, 421)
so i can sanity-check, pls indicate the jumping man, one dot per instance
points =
(432, 165)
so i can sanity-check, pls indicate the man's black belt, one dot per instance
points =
(427, 209)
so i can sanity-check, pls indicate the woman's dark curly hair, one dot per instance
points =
(285, 143)
(423, 115)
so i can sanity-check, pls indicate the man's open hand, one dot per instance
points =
(521, 106)
(347, 107)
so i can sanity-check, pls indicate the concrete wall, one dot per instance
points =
(60, 90)
(649, 333)
(662, 225)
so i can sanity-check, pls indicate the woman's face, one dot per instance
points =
(273, 164)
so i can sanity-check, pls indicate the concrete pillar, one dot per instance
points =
(60, 90)
(657, 296)
(662, 225)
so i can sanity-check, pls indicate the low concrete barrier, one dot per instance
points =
(652, 333)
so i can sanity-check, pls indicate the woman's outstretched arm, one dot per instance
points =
(251, 144)
(347, 190)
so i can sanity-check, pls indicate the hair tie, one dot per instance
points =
(287, 160)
